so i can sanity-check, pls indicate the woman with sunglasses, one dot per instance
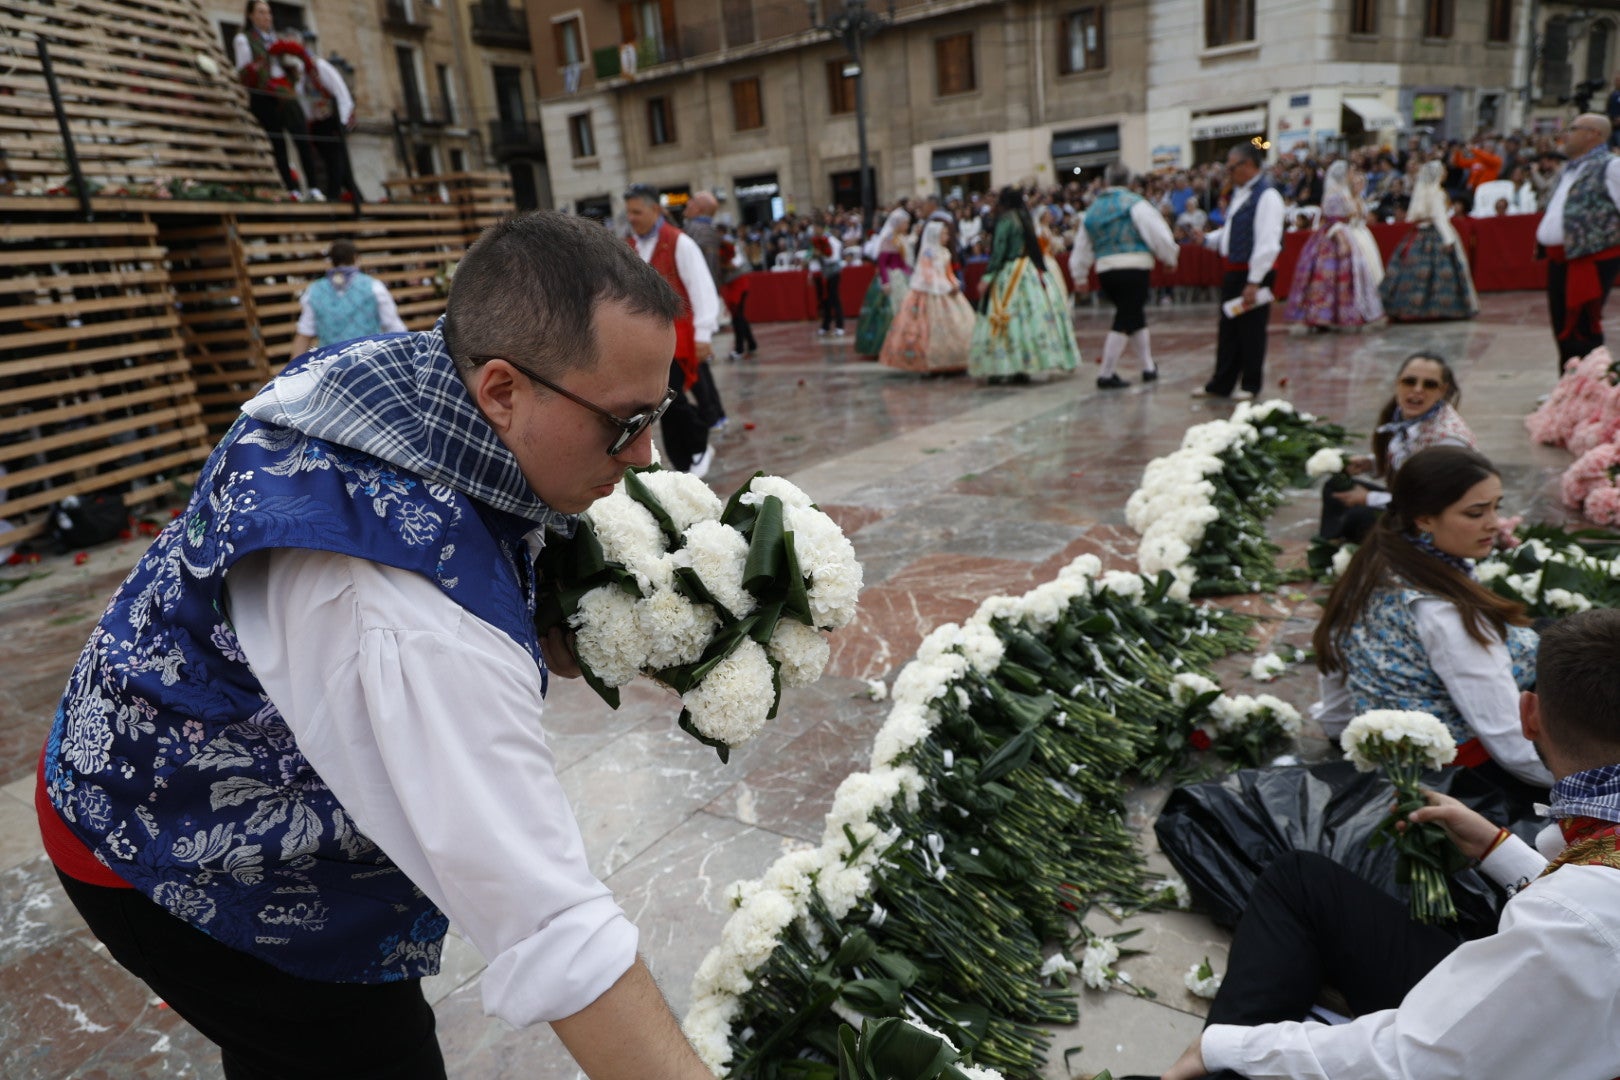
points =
(1421, 413)
(1409, 627)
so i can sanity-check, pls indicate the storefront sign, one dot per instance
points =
(1100, 140)
(962, 159)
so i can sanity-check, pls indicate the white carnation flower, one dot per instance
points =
(1286, 716)
(686, 499)
(718, 553)
(1190, 685)
(762, 486)
(1562, 600)
(800, 650)
(1203, 980)
(675, 629)
(877, 689)
(1267, 667)
(733, 700)
(1177, 888)
(908, 724)
(1122, 584)
(1489, 570)
(1097, 963)
(1325, 462)
(607, 637)
(1058, 964)
(630, 537)
(708, 1028)
(1158, 553)
(827, 559)
(1342, 557)
(983, 647)
(1371, 735)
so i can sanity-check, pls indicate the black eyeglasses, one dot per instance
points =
(1412, 382)
(630, 427)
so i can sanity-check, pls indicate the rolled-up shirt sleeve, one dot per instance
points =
(425, 723)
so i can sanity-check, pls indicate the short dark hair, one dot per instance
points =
(247, 11)
(342, 253)
(644, 192)
(1248, 152)
(528, 290)
(1576, 687)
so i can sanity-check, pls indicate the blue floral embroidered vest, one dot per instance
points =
(168, 761)
(1240, 237)
(347, 313)
(1591, 220)
(1109, 226)
(1387, 667)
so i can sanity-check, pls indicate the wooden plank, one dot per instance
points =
(96, 433)
(56, 230)
(134, 349)
(102, 481)
(34, 339)
(69, 308)
(59, 255)
(17, 478)
(62, 413)
(95, 381)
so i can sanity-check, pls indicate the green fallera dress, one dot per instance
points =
(1025, 326)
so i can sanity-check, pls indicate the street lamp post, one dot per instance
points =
(852, 24)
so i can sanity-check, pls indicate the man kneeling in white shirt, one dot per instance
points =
(1428, 1004)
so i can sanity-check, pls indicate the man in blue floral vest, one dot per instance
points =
(305, 736)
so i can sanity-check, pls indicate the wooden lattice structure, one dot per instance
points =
(95, 387)
(148, 94)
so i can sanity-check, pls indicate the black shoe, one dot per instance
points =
(1151, 376)
(1111, 382)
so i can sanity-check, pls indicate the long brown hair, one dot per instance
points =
(1392, 407)
(1429, 482)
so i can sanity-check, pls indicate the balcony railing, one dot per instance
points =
(516, 138)
(400, 15)
(500, 26)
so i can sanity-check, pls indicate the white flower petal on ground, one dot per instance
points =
(1267, 667)
(801, 651)
(732, 702)
(877, 689)
(607, 636)
(1203, 980)
(1097, 963)
(1056, 964)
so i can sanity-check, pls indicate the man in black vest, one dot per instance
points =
(1250, 242)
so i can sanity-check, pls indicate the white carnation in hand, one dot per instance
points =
(827, 560)
(676, 631)
(719, 553)
(762, 486)
(1381, 734)
(686, 499)
(1325, 462)
(733, 700)
(629, 536)
(801, 651)
(607, 638)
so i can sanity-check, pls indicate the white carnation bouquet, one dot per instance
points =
(1403, 745)
(725, 604)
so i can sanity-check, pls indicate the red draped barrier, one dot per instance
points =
(1501, 252)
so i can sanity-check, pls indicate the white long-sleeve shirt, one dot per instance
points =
(425, 723)
(695, 278)
(1268, 230)
(1479, 680)
(1537, 998)
(332, 81)
(1550, 232)
(1150, 225)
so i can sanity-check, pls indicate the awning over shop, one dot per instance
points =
(962, 160)
(1375, 115)
(1226, 125)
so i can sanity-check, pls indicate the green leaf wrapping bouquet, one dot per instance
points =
(724, 604)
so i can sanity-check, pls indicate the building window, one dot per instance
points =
(953, 65)
(738, 16)
(1437, 19)
(660, 121)
(410, 81)
(1082, 42)
(1499, 21)
(650, 24)
(580, 135)
(1597, 51)
(840, 88)
(1364, 16)
(747, 113)
(447, 95)
(1228, 22)
(570, 41)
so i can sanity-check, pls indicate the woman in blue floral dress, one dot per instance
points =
(1409, 627)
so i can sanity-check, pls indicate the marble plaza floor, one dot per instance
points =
(951, 492)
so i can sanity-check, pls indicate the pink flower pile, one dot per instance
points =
(1583, 415)
(1589, 485)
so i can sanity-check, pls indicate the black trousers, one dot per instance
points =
(1127, 290)
(832, 302)
(332, 143)
(1587, 333)
(1311, 923)
(1352, 523)
(269, 1025)
(685, 434)
(1240, 343)
(742, 333)
(279, 119)
(709, 406)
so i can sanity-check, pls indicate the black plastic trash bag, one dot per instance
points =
(1222, 833)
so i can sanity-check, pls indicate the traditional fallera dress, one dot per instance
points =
(888, 286)
(933, 327)
(1428, 277)
(1024, 325)
(1339, 271)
